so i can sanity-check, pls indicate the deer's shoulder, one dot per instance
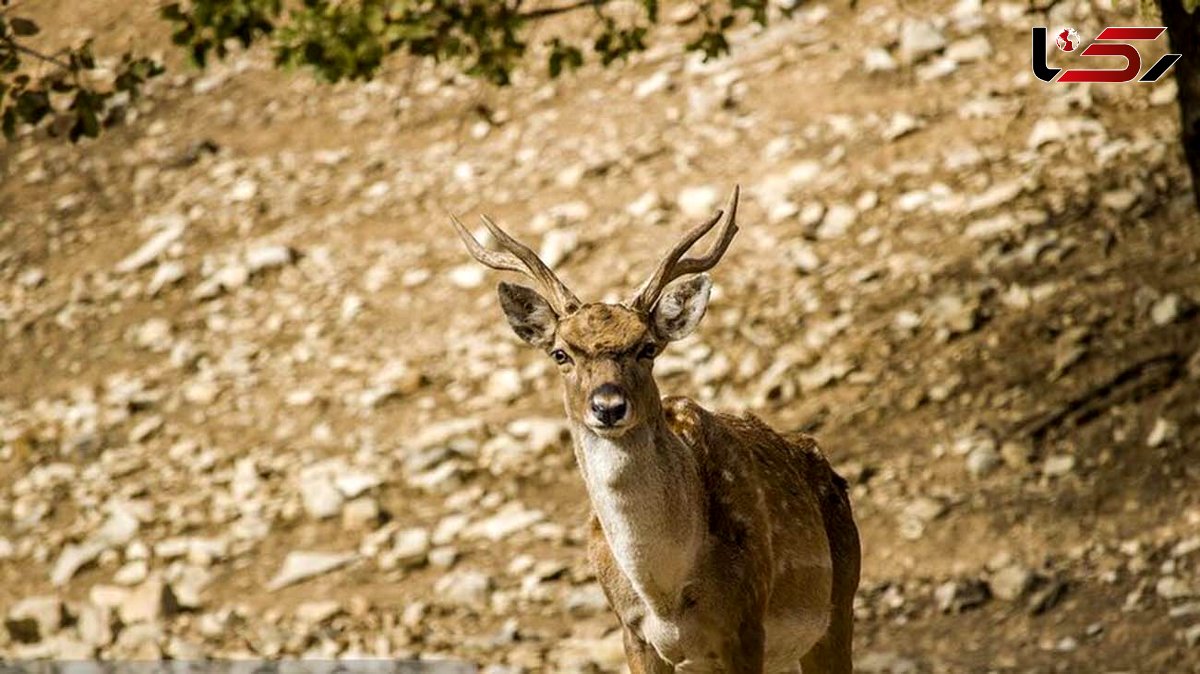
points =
(717, 435)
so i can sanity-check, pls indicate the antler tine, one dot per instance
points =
(564, 300)
(672, 267)
(519, 258)
(489, 258)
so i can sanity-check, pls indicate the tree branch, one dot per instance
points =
(543, 12)
(36, 54)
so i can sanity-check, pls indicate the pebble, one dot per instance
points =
(698, 202)
(464, 589)
(302, 565)
(918, 39)
(983, 460)
(878, 60)
(268, 257)
(1011, 582)
(1058, 465)
(34, 619)
(73, 558)
(1166, 310)
(361, 513)
(150, 602)
(1172, 587)
(411, 547)
(969, 50)
(317, 612)
(165, 275)
(153, 248)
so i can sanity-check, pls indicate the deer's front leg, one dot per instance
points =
(747, 651)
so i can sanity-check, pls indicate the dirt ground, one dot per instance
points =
(978, 291)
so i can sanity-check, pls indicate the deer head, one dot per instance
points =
(606, 352)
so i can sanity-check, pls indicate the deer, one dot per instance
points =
(720, 544)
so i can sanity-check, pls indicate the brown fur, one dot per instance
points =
(721, 545)
(784, 497)
(603, 329)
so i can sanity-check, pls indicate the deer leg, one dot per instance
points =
(748, 651)
(642, 657)
(833, 654)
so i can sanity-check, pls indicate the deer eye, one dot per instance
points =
(560, 356)
(650, 350)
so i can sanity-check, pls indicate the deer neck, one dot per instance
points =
(645, 490)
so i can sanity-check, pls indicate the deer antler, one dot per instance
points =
(518, 257)
(672, 267)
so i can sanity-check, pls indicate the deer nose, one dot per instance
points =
(609, 405)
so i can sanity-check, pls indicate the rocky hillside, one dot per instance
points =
(257, 401)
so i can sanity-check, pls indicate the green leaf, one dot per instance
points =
(33, 106)
(172, 12)
(23, 27)
(10, 123)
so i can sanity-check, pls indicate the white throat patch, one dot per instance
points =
(650, 527)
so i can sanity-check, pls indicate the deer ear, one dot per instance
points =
(529, 314)
(681, 307)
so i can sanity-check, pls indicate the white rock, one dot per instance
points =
(643, 206)
(1163, 432)
(508, 521)
(995, 196)
(154, 247)
(166, 274)
(467, 276)
(1058, 465)
(878, 60)
(188, 585)
(152, 601)
(505, 385)
(918, 39)
(983, 459)
(132, 573)
(1172, 587)
(95, 624)
(411, 546)
(837, 221)
(243, 190)
(936, 69)
(31, 277)
(72, 559)
(1165, 93)
(299, 566)
(320, 497)
(1166, 310)
(557, 245)
(317, 612)
(967, 50)
(698, 201)
(659, 81)
(269, 257)
(354, 483)
(993, 226)
(361, 513)
(35, 618)
(1011, 582)
(901, 124)
(465, 589)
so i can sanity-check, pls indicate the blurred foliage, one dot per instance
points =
(340, 40)
(67, 91)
